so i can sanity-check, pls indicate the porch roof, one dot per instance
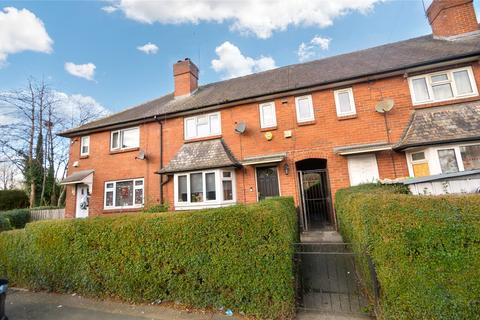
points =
(78, 177)
(201, 155)
(269, 158)
(362, 148)
(454, 123)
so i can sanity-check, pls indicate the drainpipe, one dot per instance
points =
(161, 158)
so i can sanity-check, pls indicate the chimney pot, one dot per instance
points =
(452, 17)
(185, 75)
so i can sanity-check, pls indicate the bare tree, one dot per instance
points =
(29, 120)
(7, 175)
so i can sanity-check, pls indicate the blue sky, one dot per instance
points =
(81, 33)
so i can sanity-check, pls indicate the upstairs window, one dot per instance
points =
(202, 126)
(125, 139)
(85, 146)
(268, 117)
(304, 108)
(442, 86)
(344, 102)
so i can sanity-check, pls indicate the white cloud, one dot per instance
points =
(259, 17)
(86, 71)
(310, 50)
(109, 9)
(70, 106)
(21, 30)
(148, 48)
(232, 63)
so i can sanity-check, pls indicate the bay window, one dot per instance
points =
(202, 189)
(444, 159)
(443, 85)
(124, 194)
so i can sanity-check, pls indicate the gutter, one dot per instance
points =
(430, 143)
(405, 71)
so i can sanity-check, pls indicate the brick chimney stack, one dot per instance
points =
(452, 17)
(185, 74)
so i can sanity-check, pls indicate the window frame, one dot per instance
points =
(264, 125)
(297, 109)
(114, 190)
(196, 117)
(218, 202)
(433, 160)
(120, 139)
(82, 144)
(451, 81)
(353, 110)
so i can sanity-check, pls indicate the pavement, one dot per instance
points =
(25, 305)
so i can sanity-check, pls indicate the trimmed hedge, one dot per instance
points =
(238, 257)
(5, 224)
(426, 250)
(18, 218)
(13, 199)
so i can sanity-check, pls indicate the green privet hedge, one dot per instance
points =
(237, 257)
(426, 250)
(13, 199)
(18, 218)
(5, 224)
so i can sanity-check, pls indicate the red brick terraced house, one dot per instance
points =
(405, 109)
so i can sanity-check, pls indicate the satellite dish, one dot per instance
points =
(384, 106)
(240, 127)
(141, 155)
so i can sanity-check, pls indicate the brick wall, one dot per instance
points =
(315, 140)
(452, 17)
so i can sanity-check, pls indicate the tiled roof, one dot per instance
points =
(444, 124)
(200, 155)
(377, 60)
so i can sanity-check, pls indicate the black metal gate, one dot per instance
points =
(327, 280)
(316, 200)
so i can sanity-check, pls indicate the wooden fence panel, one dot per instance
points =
(47, 214)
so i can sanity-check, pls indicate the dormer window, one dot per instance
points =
(443, 86)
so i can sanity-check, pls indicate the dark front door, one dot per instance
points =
(267, 182)
(316, 202)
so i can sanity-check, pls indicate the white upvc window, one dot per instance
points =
(268, 118)
(124, 194)
(443, 86)
(444, 159)
(204, 189)
(304, 108)
(125, 139)
(344, 102)
(202, 126)
(84, 146)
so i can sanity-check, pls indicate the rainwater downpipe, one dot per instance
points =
(162, 183)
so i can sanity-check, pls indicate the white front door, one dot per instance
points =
(362, 169)
(82, 201)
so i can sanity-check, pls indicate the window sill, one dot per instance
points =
(120, 210)
(203, 138)
(268, 129)
(306, 123)
(84, 157)
(421, 105)
(179, 206)
(347, 117)
(124, 150)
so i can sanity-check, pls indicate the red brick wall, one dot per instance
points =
(452, 17)
(315, 140)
